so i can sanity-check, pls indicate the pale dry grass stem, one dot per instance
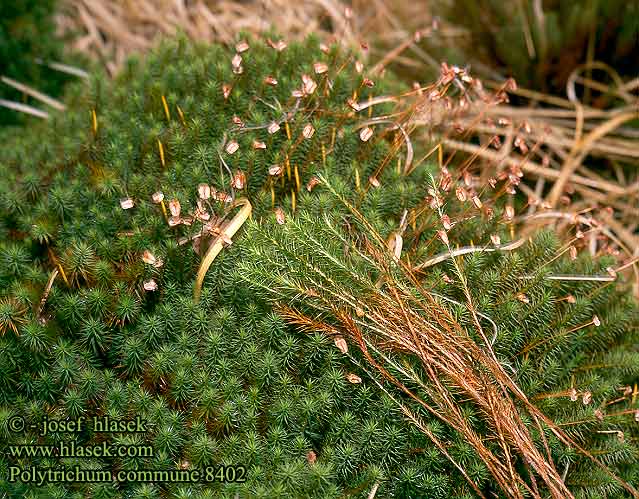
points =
(400, 316)
(392, 320)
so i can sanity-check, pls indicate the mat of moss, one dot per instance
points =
(103, 210)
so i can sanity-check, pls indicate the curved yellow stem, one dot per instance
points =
(216, 246)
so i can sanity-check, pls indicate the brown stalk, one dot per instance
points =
(392, 319)
(446, 353)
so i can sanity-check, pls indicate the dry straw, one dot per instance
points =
(385, 319)
(109, 31)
